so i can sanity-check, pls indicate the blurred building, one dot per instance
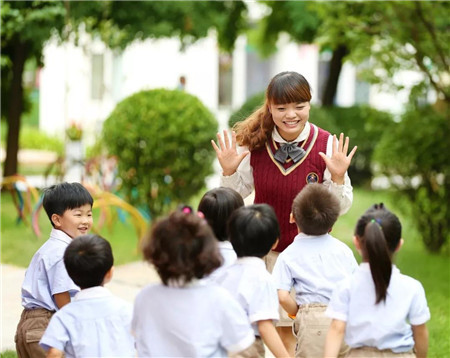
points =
(83, 84)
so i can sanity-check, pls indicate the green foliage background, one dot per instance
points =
(163, 141)
(417, 150)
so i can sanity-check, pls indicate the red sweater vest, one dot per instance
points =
(277, 184)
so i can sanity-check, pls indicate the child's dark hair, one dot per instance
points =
(379, 232)
(87, 259)
(182, 247)
(217, 206)
(65, 196)
(315, 209)
(253, 229)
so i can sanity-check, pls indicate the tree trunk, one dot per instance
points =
(18, 58)
(335, 67)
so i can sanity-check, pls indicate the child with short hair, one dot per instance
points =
(217, 205)
(313, 264)
(47, 287)
(186, 316)
(95, 323)
(381, 312)
(254, 231)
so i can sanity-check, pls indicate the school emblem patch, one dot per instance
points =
(312, 178)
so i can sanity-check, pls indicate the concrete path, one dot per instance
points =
(127, 281)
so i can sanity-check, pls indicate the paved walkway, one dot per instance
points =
(127, 281)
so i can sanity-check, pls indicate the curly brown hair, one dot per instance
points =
(182, 247)
(285, 87)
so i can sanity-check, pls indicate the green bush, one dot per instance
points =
(163, 141)
(365, 127)
(33, 138)
(416, 150)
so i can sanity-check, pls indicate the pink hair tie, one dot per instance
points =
(200, 214)
(186, 210)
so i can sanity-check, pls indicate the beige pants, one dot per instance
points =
(285, 320)
(369, 352)
(29, 332)
(311, 328)
(256, 350)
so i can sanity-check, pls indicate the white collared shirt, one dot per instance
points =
(313, 265)
(46, 275)
(251, 285)
(242, 180)
(228, 254)
(386, 325)
(229, 257)
(94, 324)
(199, 319)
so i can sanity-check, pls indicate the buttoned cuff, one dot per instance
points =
(229, 180)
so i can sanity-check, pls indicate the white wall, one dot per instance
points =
(65, 91)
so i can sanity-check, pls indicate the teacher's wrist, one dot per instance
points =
(227, 173)
(337, 179)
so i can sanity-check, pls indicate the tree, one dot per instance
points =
(393, 35)
(28, 25)
(302, 21)
(25, 28)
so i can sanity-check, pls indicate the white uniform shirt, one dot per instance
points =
(251, 284)
(94, 324)
(198, 320)
(313, 265)
(46, 275)
(228, 254)
(229, 257)
(386, 325)
(242, 180)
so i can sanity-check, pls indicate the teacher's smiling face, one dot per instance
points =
(290, 118)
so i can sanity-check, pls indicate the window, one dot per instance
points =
(97, 77)
(225, 79)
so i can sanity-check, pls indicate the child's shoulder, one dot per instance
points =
(51, 251)
(405, 280)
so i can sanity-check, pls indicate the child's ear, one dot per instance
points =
(356, 243)
(108, 276)
(275, 244)
(291, 219)
(400, 244)
(56, 220)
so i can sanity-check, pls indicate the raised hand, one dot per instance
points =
(227, 154)
(339, 161)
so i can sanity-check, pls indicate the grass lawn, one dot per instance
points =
(19, 244)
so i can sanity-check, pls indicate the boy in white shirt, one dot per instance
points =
(95, 323)
(254, 231)
(313, 264)
(47, 287)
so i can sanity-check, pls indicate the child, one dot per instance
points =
(254, 231)
(186, 316)
(47, 286)
(313, 264)
(217, 206)
(381, 312)
(95, 323)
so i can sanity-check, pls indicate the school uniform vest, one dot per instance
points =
(277, 184)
